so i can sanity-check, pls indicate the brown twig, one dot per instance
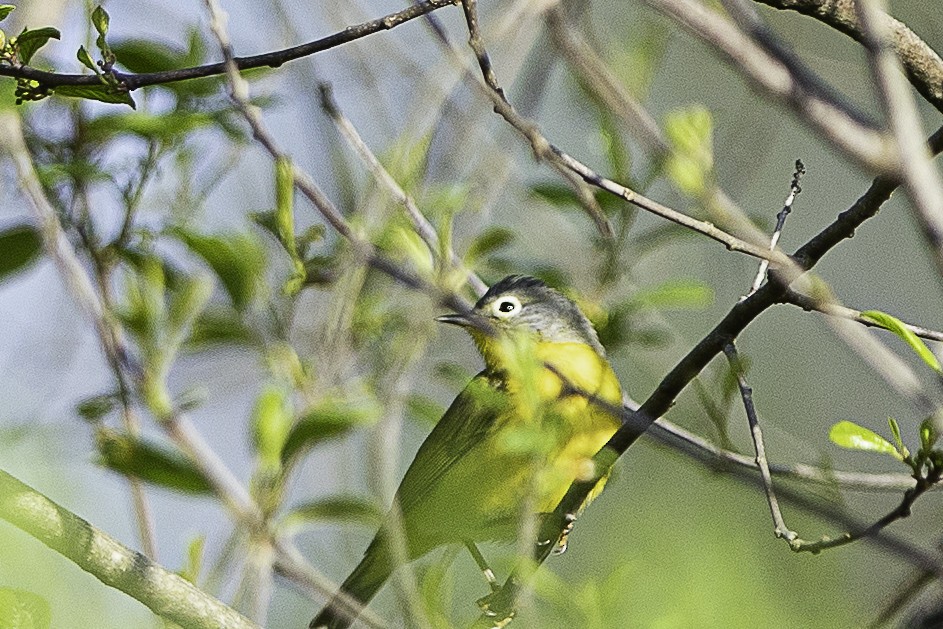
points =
(756, 433)
(270, 59)
(923, 65)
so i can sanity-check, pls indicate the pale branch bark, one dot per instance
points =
(566, 166)
(270, 59)
(922, 64)
(807, 303)
(166, 594)
(782, 78)
(794, 190)
(697, 447)
(921, 178)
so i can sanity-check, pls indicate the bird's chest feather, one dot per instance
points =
(552, 427)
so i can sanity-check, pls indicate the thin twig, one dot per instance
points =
(420, 223)
(701, 449)
(756, 433)
(270, 59)
(794, 190)
(807, 303)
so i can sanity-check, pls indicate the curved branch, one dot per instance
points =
(166, 594)
(922, 64)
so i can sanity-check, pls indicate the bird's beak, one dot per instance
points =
(456, 319)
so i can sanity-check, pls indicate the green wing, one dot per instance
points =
(465, 424)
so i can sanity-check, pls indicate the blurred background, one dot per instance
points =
(671, 543)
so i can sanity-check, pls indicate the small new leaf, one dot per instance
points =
(899, 328)
(28, 42)
(5, 10)
(895, 430)
(20, 246)
(333, 509)
(150, 463)
(852, 436)
(928, 436)
(100, 20)
(86, 59)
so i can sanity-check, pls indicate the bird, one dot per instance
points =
(515, 438)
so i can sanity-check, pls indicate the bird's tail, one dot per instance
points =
(357, 590)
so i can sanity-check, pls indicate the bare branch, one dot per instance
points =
(794, 190)
(269, 59)
(923, 65)
(921, 178)
(807, 303)
(782, 78)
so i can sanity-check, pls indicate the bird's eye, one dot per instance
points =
(506, 307)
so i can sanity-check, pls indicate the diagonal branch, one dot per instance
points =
(781, 76)
(923, 65)
(168, 595)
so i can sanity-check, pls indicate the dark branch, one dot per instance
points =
(270, 59)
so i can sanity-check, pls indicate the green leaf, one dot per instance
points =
(95, 408)
(143, 55)
(21, 609)
(219, 326)
(676, 294)
(928, 435)
(899, 328)
(102, 93)
(86, 60)
(29, 41)
(5, 10)
(691, 161)
(333, 509)
(137, 458)
(195, 552)
(20, 246)
(850, 435)
(271, 423)
(328, 420)
(100, 20)
(236, 258)
(488, 242)
(167, 126)
(898, 442)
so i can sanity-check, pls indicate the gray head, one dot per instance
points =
(522, 303)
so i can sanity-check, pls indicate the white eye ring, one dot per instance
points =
(506, 307)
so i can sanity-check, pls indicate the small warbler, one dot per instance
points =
(510, 444)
